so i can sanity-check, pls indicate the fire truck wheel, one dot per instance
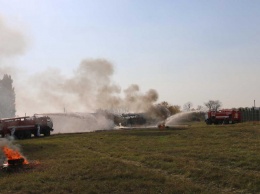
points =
(19, 134)
(47, 132)
(208, 122)
(35, 134)
(226, 121)
(27, 134)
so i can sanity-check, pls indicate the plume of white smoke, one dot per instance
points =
(90, 87)
(12, 43)
(80, 122)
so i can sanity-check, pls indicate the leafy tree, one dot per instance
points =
(7, 97)
(213, 105)
(173, 109)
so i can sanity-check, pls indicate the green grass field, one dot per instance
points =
(200, 159)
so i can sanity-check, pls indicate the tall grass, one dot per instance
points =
(200, 159)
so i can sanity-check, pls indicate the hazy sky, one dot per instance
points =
(187, 50)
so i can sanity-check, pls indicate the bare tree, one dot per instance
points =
(187, 106)
(201, 108)
(213, 105)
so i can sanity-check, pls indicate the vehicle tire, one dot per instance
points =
(226, 121)
(35, 134)
(47, 132)
(27, 134)
(208, 122)
(19, 134)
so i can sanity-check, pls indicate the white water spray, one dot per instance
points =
(80, 122)
(178, 118)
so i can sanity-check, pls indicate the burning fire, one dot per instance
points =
(13, 155)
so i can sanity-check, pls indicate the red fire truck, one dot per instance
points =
(24, 127)
(225, 116)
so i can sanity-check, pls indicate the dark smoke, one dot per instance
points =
(137, 101)
(159, 112)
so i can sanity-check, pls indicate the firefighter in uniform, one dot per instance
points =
(13, 131)
(38, 131)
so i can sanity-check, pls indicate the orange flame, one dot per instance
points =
(12, 154)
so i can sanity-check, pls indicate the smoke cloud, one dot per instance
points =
(89, 88)
(12, 41)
